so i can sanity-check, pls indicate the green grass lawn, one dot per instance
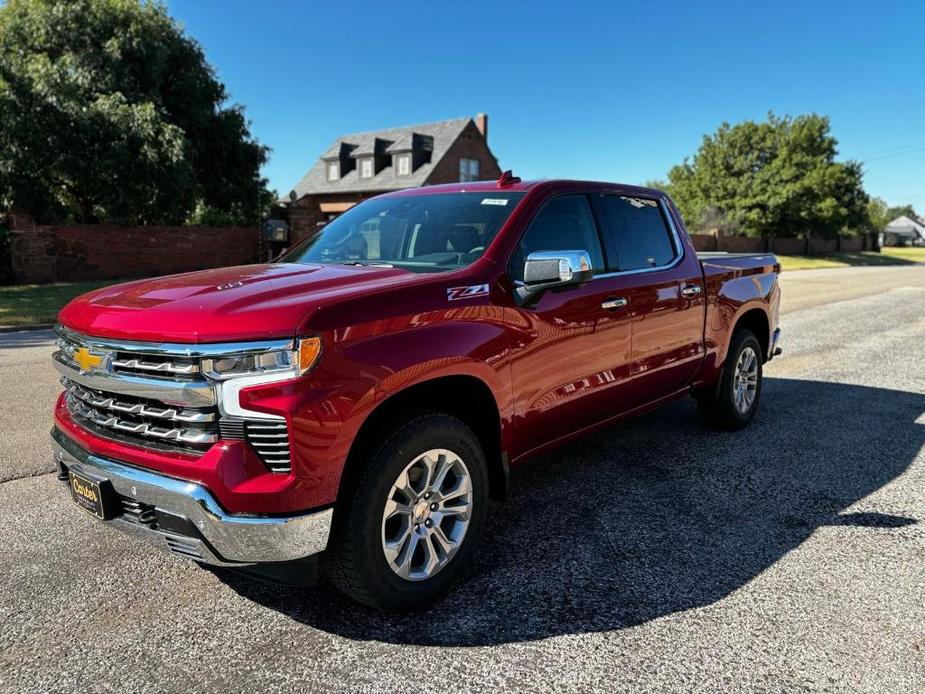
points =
(915, 255)
(28, 304)
(888, 256)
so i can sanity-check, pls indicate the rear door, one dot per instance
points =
(570, 361)
(662, 282)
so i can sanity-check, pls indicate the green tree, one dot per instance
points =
(777, 177)
(109, 112)
(878, 214)
(901, 211)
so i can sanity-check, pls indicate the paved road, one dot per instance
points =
(657, 556)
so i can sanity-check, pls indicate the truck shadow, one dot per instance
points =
(652, 517)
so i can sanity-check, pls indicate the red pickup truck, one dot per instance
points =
(355, 405)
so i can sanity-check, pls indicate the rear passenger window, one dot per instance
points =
(564, 223)
(636, 233)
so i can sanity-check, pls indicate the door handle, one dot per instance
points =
(690, 290)
(613, 303)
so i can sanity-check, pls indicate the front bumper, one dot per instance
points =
(185, 519)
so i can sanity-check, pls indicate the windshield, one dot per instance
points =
(422, 233)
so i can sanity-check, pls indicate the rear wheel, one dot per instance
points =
(414, 517)
(732, 403)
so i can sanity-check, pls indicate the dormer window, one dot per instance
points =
(403, 164)
(366, 167)
(333, 170)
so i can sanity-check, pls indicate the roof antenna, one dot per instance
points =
(508, 179)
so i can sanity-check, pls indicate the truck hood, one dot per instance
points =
(249, 302)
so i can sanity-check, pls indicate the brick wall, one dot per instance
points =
(704, 242)
(852, 243)
(822, 245)
(56, 253)
(790, 246)
(304, 219)
(741, 244)
(305, 216)
(782, 246)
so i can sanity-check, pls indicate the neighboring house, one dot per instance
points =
(904, 231)
(359, 166)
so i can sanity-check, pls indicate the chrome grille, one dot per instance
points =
(142, 421)
(121, 403)
(269, 438)
(136, 363)
(150, 365)
(158, 395)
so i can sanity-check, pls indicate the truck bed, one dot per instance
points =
(737, 264)
(719, 256)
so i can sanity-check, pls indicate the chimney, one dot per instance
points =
(481, 122)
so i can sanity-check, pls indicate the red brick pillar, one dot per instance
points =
(32, 250)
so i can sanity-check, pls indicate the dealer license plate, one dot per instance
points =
(87, 494)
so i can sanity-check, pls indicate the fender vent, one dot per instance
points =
(231, 429)
(268, 437)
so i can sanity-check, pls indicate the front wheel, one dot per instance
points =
(414, 517)
(732, 403)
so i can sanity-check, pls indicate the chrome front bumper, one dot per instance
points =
(187, 519)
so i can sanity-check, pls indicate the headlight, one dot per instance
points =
(284, 363)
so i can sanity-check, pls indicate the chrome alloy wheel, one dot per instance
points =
(745, 380)
(427, 514)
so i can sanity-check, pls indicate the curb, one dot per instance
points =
(25, 328)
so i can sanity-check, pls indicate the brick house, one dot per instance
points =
(362, 165)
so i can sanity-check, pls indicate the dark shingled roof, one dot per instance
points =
(374, 145)
(337, 150)
(444, 134)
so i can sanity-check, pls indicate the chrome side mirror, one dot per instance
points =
(546, 269)
(554, 269)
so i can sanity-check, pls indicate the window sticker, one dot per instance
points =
(494, 201)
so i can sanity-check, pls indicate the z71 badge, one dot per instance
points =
(454, 293)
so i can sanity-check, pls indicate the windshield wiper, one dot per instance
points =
(360, 263)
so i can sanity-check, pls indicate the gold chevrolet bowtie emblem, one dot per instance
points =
(85, 360)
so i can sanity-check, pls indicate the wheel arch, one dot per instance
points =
(756, 320)
(464, 396)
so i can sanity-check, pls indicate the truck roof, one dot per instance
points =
(523, 186)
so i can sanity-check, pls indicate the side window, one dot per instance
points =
(564, 223)
(636, 233)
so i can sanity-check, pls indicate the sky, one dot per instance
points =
(617, 91)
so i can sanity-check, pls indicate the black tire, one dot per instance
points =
(355, 560)
(717, 404)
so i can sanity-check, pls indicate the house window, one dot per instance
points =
(366, 167)
(468, 170)
(404, 164)
(333, 171)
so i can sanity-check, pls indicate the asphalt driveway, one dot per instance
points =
(655, 556)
